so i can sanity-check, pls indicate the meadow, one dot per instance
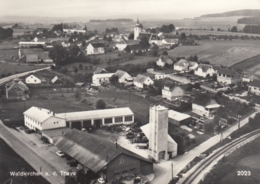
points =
(225, 53)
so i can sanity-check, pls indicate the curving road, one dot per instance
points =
(198, 172)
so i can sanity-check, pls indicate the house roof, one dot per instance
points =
(147, 35)
(38, 114)
(97, 45)
(55, 79)
(96, 114)
(93, 152)
(99, 70)
(18, 83)
(227, 71)
(140, 78)
(135, 47)
(32, 58)
(255, 83)
(33, 77)
(168, 40)
(202, 99)
(166, 60)
(182, 62)
(44, 55)
(103, 75)
(204, 67)
(120, 73)
(177, 115)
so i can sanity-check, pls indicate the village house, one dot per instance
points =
(170, 92)
(16, 90)
(140, 81)
(122, 76)
(204, 105)
(95, 48)
(181, 65)
(193, 66)
(98, 79)
(32, 44)
(40, 119)
(178, 119)
(228, 76)
(157, 74)
(124, 43)
(56, 80)
(168, 43)
(101, 157)
(254, 87)
(32, 79)
(163, 60)
(204, 70)
(34, 55)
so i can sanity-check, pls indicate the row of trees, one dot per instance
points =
(249, 20)
(111, 20)
(111, 30)
(254, 29)
(5, 33)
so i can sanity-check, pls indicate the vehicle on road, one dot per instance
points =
(60, 153)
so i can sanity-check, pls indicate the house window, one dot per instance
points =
(108, 120)
(118, 119)
(128, 118)
(121, 160)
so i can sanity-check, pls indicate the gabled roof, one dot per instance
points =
(97, 45)
(227, 71)
(56, 78)
(140, 78)
(182, 62)
(32, 58)
(99, 70)
(18, 83)
(93, 152)
(38, 114)
(204, 67)
(202, 99)
(135, 47)
(255, 83)
(120, 73)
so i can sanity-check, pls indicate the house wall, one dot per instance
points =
(178, 68)
(254, 90)
(138, 85)
(179, 123)
(121, 47)
(227, 79)
(171, 94)
(200, 110)
(122, 79)
(160, 76)
(148, 82)
(53, 122)
(160, 63)
(32, 80)
(121, 165)
(97, 80)
(16, 93)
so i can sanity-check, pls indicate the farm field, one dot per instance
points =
(12, 68)
(20, 31)
(225, 53)
(206, 32)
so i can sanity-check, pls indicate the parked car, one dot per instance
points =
(130, 135)
(60, 153)
(72, 163)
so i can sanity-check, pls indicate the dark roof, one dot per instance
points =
(135, 47)
(202, 99)
(255, 83)
(147, 35)
(227, 71)
(96, 45)
(91, 151)
(16, 83)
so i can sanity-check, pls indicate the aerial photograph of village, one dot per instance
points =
(129, 92)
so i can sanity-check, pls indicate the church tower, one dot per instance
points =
(137, 30)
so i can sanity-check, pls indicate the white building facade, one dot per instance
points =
(32, 80)
(98, 79)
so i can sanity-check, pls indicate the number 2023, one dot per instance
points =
(244, 173)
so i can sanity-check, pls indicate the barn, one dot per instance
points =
(102, 157)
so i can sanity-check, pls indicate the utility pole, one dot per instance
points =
(172, 170)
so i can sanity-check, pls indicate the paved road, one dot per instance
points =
(163, 171)
(9, 78)
(29, 156)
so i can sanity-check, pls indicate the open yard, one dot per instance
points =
(225, 53)
(12, 68)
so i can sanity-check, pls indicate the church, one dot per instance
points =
(151, 37)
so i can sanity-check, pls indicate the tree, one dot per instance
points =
(144, 42)
(234, 29)
(58, 54)
(101, 104)
(74, 50)
(113, 79)
(109, 39)
(183, 36)
(131, 36)
(83, 43)
(165, 53)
